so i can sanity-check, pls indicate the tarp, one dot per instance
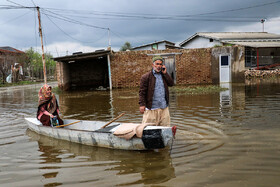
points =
(9, 79)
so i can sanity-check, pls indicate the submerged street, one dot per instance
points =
(223, 139)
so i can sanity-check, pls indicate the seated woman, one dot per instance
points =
(47, 106)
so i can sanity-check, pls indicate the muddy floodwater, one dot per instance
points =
(231, 138)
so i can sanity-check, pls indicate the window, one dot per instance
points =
(154, 46)
(250, 57)
(224, 60)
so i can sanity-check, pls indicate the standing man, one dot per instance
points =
(154, 94)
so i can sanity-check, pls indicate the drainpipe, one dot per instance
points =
(109, 71)
(257, 58)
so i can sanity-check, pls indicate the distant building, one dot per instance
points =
(249, 39)
(8, 49)
(226, 61)
(10, 56)
(161, 45)
(261, 48)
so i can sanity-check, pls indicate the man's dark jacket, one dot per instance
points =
(147, 88)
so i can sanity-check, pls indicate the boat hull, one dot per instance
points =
(86, 132)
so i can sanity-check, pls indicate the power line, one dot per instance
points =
(64, 18)
(237, 9)
(120, 15)
(165, 17)
(68, 34)
(18, 17)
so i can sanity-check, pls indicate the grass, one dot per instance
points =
(196, 90)
(18, 83)
(56, 90)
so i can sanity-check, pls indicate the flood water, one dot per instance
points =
(230, 138)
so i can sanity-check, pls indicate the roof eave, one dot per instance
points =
(82, 56)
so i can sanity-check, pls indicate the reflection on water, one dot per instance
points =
(122, 162)
(224, 139)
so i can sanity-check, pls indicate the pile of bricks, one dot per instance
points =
(262, 73)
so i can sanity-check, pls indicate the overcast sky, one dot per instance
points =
(83, 25)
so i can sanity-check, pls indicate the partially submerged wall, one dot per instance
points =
(193, 66)
(237, 54)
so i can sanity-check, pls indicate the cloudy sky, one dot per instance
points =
(87, 25)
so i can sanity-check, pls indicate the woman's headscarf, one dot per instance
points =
(49, 98)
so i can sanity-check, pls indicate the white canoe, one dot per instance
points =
(90, 133)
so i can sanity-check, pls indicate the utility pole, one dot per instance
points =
(262, 21)
(43, 54)
(109, 39)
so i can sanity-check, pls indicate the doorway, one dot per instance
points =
(169, 62)
(225, 68)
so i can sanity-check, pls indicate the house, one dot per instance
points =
(160, 45)
(212, 39)
(8, 49)
(236, 52)
(10, 56)
(261, 48)
(258, 50)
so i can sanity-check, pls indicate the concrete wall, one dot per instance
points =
(237, 63)
(269, 56)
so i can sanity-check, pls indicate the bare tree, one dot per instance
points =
(4, 69)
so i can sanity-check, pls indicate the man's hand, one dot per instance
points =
(163, 69)
(142, 109)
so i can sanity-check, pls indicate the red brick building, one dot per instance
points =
(110, 69)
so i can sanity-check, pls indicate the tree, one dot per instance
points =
(34, 61)
(126, 46)
(4, 69)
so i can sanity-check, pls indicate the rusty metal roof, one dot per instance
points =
(10, 50)
(82, 56)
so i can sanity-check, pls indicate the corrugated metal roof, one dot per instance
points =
(238, 35)
(257, 44)
(80, 56)
(260, 39)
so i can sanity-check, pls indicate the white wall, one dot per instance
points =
(143, 48)
(201, 42)
(161, 46)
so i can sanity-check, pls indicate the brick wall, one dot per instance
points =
(193, 66)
